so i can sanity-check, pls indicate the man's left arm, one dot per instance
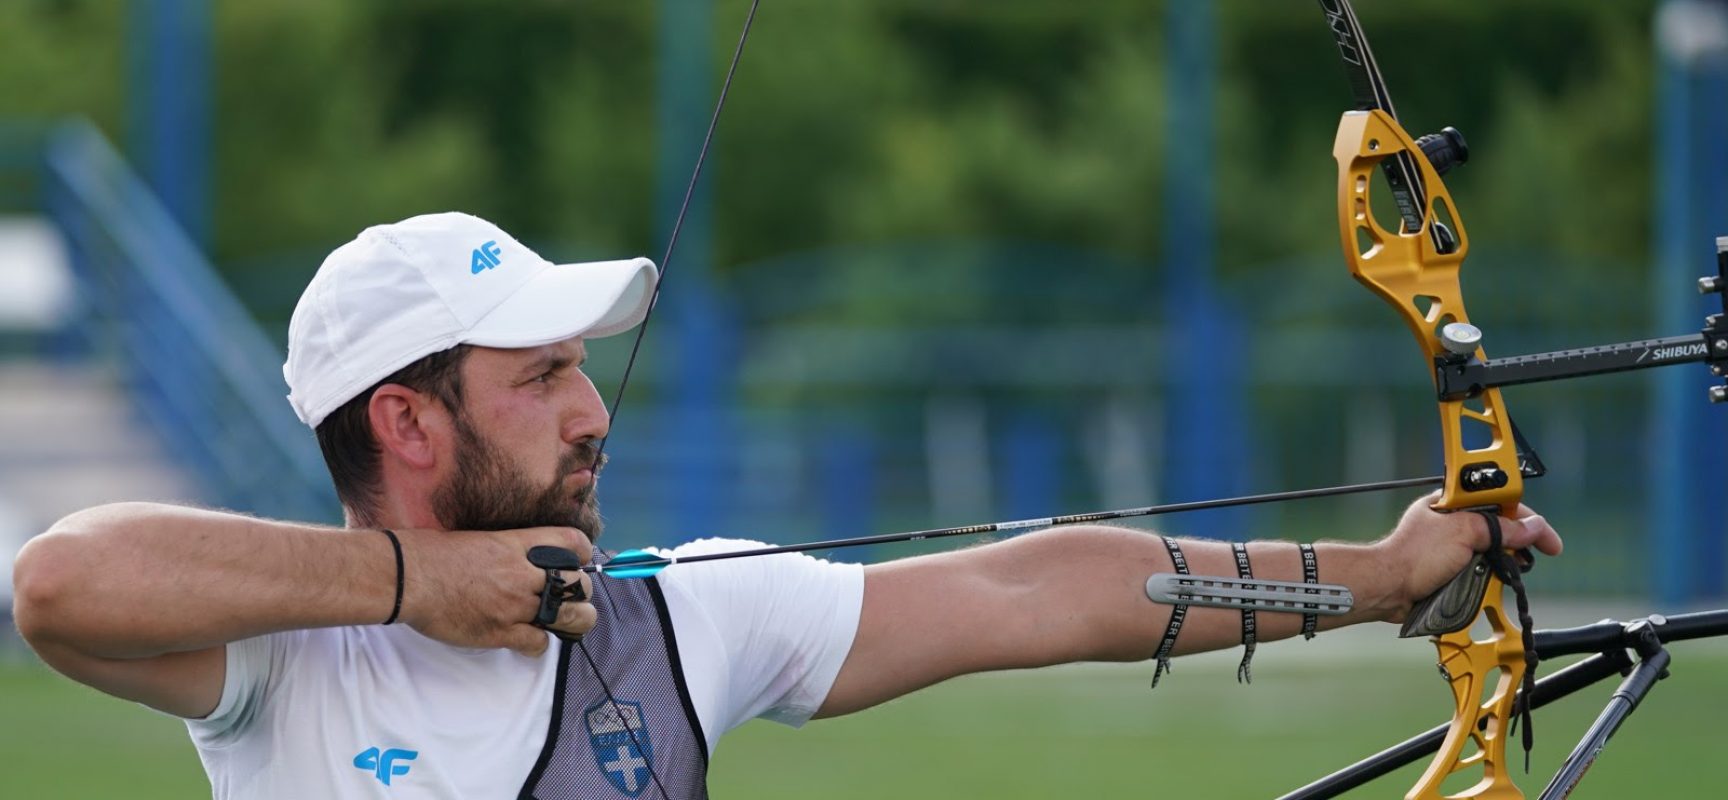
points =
(1078, 594)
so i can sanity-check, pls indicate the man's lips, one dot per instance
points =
(584, 467)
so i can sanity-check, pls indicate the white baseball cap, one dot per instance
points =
(403, 291)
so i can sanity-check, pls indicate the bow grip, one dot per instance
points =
(1451, 607)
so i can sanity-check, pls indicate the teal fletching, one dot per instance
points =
(635, 564)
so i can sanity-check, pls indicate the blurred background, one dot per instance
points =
(950, 263)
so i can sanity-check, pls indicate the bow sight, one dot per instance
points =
(1460, 375)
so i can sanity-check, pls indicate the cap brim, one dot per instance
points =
(592, 299)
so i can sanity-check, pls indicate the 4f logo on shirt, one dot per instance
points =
(485, 257)
(385, 764)
(622, 757)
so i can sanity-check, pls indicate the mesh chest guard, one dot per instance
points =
(600, 749)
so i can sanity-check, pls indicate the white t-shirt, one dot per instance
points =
(311, 713)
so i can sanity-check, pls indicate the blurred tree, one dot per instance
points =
(856, 122)
(61, 57)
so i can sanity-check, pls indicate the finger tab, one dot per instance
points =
(549, 557)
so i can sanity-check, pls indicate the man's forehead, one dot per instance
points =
(573, 348)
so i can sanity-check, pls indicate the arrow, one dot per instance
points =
(644, 564)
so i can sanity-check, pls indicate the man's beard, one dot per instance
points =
(487, 492)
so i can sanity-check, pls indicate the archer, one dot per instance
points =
(439, 363)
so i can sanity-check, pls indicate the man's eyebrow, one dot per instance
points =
(551, 359)
(546, 362)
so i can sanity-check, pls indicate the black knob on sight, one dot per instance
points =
(1482, 477)
(1445, 150)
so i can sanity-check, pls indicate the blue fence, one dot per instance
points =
(202, 372)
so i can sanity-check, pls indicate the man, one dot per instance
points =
(439, 362)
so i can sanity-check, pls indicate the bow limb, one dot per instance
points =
(1416, 272)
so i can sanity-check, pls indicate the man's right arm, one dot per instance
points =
(138, 600)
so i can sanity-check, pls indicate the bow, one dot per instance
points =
(1415, 269)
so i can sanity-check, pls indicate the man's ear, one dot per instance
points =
(407, 424)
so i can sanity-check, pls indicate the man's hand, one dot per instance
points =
(477, 589)
(1429, 548)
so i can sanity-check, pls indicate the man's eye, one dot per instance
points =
(545, 377)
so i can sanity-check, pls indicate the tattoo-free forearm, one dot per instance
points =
(135, 580)
(1087, 596)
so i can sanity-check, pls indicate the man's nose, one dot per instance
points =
(587, 417)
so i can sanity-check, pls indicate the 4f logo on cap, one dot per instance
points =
(486, 256)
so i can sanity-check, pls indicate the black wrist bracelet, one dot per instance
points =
(396, 545)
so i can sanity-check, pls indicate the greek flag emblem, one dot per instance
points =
(623, 759)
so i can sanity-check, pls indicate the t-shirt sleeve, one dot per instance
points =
(786, 623)
(251, 665)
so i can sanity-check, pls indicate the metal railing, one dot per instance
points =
(200, 368)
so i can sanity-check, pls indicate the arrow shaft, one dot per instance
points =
(1039, 522)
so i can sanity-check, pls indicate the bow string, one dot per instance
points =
(636, 349)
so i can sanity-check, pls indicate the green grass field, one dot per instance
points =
(1080, 731)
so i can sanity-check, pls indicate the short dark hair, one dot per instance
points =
(351, 451)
